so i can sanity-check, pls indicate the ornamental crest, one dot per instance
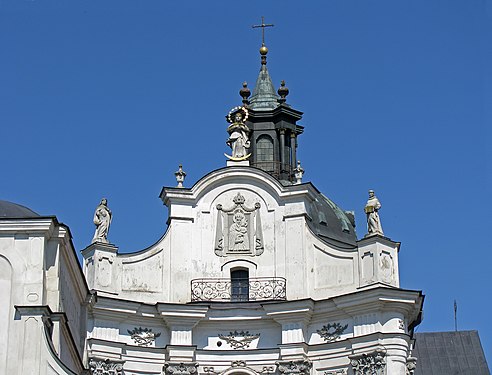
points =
(331, 332)
(239, 340)
(238, 229)
(143, 336)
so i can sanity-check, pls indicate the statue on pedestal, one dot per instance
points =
(238, 134)
(102, 220)
(371, 209)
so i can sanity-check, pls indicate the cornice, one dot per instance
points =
(239, 175)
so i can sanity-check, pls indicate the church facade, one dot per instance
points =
(257, 273)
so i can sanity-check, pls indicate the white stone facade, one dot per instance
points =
(303, 305)
(43, 314)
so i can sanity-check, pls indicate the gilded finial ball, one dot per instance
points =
(263, 50)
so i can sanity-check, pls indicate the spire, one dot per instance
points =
(264, 97)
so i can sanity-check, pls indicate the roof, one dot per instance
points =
(450, 353)
(330, 222)
(264, 97)
(15, 211)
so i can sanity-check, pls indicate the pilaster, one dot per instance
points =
(181, 320)
(294, 321)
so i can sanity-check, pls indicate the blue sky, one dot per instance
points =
(106, 98)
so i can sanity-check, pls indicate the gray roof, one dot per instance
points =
(330, 222)
(449, 353)
(15, 211)
(264, 97)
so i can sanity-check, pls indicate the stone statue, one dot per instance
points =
(102, 220)
(238, 134)
(371, 209)
(238, 233)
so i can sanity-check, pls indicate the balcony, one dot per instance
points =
(238, 290)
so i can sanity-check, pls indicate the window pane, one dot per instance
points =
(239, 285)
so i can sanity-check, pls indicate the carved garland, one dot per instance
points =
(266, 370)
(331, 332)
(143, 336)
(239, 340)
(180, 368)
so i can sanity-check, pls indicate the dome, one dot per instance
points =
(330, 222)
(15, 211)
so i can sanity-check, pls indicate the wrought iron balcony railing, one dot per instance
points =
(238, 290)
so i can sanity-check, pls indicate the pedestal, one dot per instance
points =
(98, 266)
(378, 259)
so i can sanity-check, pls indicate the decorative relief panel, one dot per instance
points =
(180, 368)
(332, 331)
(239, 340)
(387, 267)
(238, 229)
(369, 364)
(301, 367)
(99, 366)
(143, 336)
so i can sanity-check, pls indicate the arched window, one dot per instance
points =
(240, 285)
(264, 148)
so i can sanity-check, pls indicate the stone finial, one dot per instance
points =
(298, 173)
(102, 221)
(283, 91)
(373, 221)
(180, 176)
(245, 93)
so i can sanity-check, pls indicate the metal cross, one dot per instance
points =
(263, 25)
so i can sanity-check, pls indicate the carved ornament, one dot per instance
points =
(180, 368)
(239, 340)
(238, 363)
(143, 336)
(301, 367)
(336, 372)
(267, 370)
(332, 331)
(105, 367)
(369, 363)
(411, 365)
(238, 229)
